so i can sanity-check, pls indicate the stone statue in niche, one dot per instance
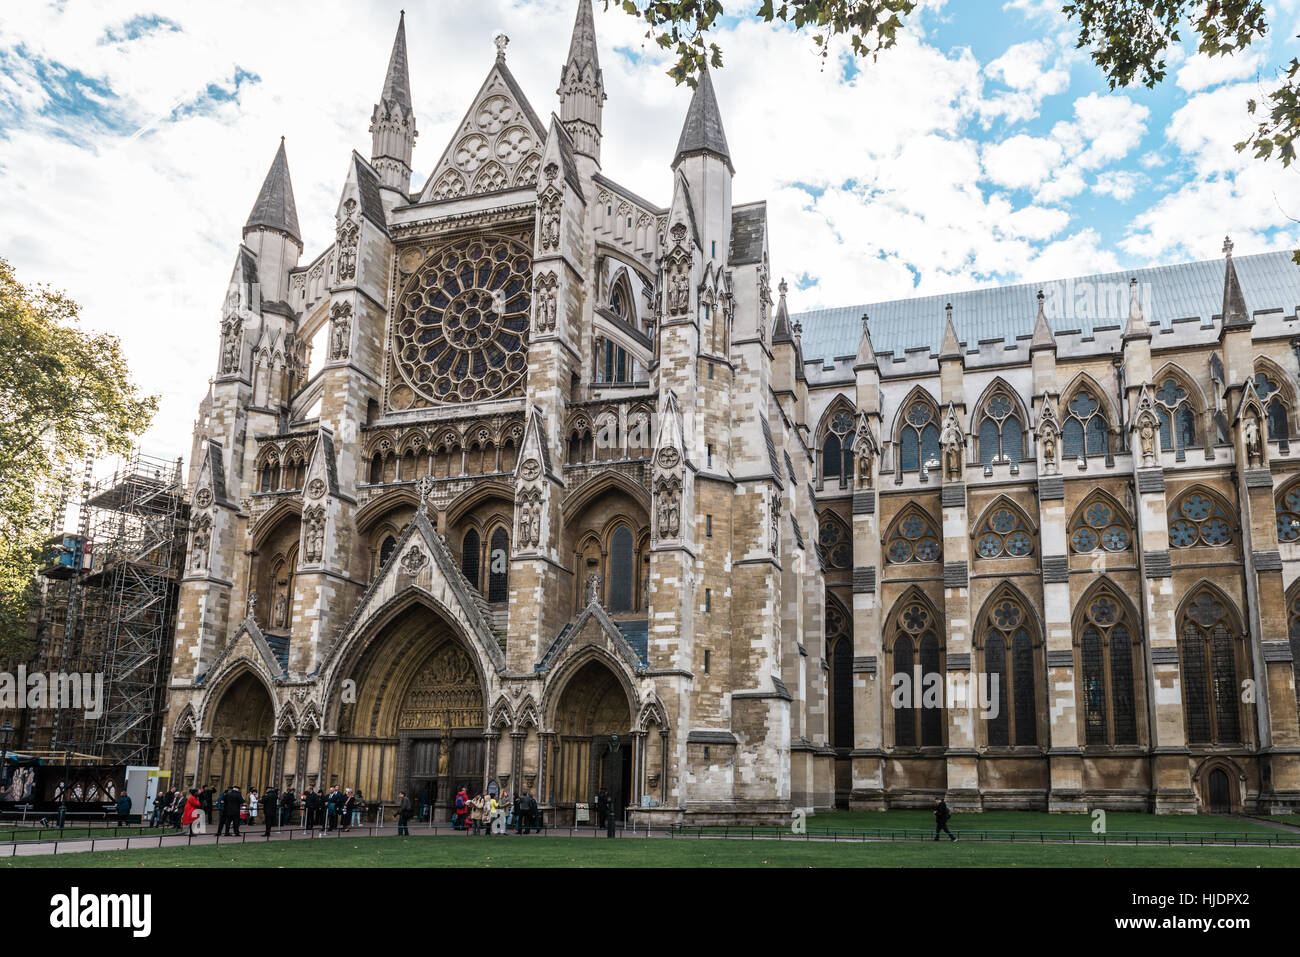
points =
(550, 229)
(230, 345)
(1250, 436)
(340, 330)
(592, 590)
(314, 537)
(951, 443)
(679, 292)
(669, 509)
(1147, 442)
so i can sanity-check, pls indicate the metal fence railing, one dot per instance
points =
(51, 840)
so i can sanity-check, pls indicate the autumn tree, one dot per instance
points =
(64, 394)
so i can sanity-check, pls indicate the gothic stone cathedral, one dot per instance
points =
(522, 461)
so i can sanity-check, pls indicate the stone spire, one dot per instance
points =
(1235, 312)
(392, 124)
(275, 208)
(582, 86)
(1137, 323)
(866, 358)
(1043, 337)
(702, 132)
(951, 347)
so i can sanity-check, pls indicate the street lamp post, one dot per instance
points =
(615, 775)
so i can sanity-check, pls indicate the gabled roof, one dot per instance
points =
(1183, 291)
(275, 208)
(702, 132)
(372, 205)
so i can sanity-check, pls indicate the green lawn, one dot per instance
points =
(1117, 822)
(512, 851)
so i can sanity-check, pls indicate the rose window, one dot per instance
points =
(462, 328)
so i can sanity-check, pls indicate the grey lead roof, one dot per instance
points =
(1192, 290)
(274, 207)
(702, 130)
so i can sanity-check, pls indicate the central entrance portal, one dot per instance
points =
(441, 727)
(592, 707)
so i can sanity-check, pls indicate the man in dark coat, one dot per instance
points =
(403, 814)
(314, 809)
(271, 801)
(231, 802)
(941, 815)
(123, 809)
(287, 802)
(205, 803)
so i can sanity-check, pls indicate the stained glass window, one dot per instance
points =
(1001, 434)
(1198, 519)
(1006, 631)
(1177, 417)
(1085, 428)
(916, 642)
(1098, 524)
(837, 460)
(918, 439)
(913, 539)
(1207, 652)
(469, 557)
(499, 566)
(386, 550)
(461, 332)
(839, 645)
(1004, 535)
(1106, 653)
(622, 569)
(834, 543)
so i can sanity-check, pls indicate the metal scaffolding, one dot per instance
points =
(110, 596)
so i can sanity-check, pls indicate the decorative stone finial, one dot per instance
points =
(1227, 247)
(502, 41)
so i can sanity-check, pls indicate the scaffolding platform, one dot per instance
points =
(111, 598)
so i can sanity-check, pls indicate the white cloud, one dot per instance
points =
(893, 181)
(1200, 71)
(1119, 183)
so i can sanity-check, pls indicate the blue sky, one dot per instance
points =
(983, 148)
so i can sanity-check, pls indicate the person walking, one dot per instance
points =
(271, 802)
(124, 809)
(941, 815)
(462, 809)
(403, 814)
(357, 804)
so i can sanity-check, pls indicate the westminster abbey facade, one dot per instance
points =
(526, 482)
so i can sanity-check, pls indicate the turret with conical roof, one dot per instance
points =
(272, 232)
(392, 125)
(582, 86)
(704, 162)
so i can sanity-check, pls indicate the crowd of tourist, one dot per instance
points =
(338, 809)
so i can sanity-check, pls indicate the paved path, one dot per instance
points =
(256, 836)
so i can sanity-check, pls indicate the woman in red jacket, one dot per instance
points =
(191, 811)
